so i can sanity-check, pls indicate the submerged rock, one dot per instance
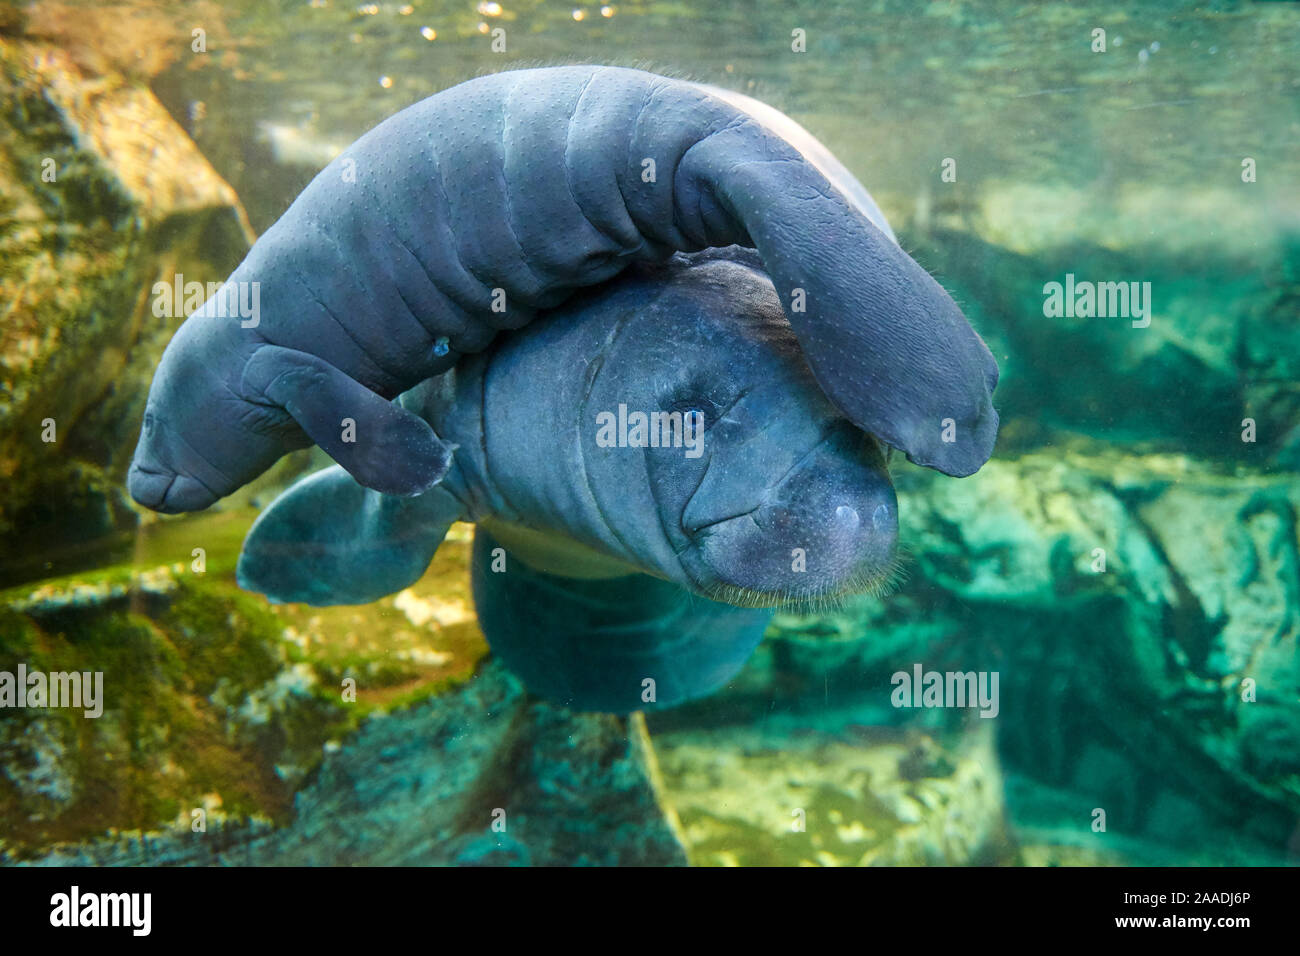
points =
(197, 701)
(480, 776)
(863, 797)
(212, 700)
(101, 194)
(302, 735)
(1217, 276)
(1143, 613)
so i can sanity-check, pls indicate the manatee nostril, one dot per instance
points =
(847, 516)
(880, 517)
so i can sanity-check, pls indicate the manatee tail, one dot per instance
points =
(613, 645)
(327, 540)
(474, 209)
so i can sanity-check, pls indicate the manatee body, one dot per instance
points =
(474, 210)
(598, 566)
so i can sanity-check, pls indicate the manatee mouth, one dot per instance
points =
(168, 492)
(716, 579)
(824, 531)
(165, 489)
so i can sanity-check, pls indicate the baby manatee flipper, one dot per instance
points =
(327, 540)
(592, 644)
(391, 450)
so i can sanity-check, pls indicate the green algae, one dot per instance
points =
(812, 798)
(213, 698)
(178, 672)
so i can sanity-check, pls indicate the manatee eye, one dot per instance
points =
(708, 409)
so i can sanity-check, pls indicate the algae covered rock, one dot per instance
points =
(1143, 613)
(479, 776)
(861, 797)
(484, 775)
(199, 703)
(1181, 325)
(1182, 588)
(231, 731)
(102, 194)
(214, 706)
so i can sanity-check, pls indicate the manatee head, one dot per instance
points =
(773, 497)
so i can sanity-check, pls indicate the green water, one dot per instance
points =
(1161, 685)
(1013, 91)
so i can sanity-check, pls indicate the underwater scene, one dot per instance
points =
(666, 432)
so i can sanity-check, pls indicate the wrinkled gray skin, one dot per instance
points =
(516, 190)
(577, 525)
(781, 469)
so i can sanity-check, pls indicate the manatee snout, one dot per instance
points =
(170, 475)
(160, 477)
(827, 528)
(167, 492)
(192, 423)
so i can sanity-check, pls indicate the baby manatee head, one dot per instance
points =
(774, 497)
(199, 440)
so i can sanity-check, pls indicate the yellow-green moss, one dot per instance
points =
(212, 697)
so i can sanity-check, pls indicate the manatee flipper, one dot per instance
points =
(327, 540)
(592, 644)
(391, 451)
(885, 341)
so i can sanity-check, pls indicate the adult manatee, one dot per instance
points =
(604, 559)
(472, 210)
